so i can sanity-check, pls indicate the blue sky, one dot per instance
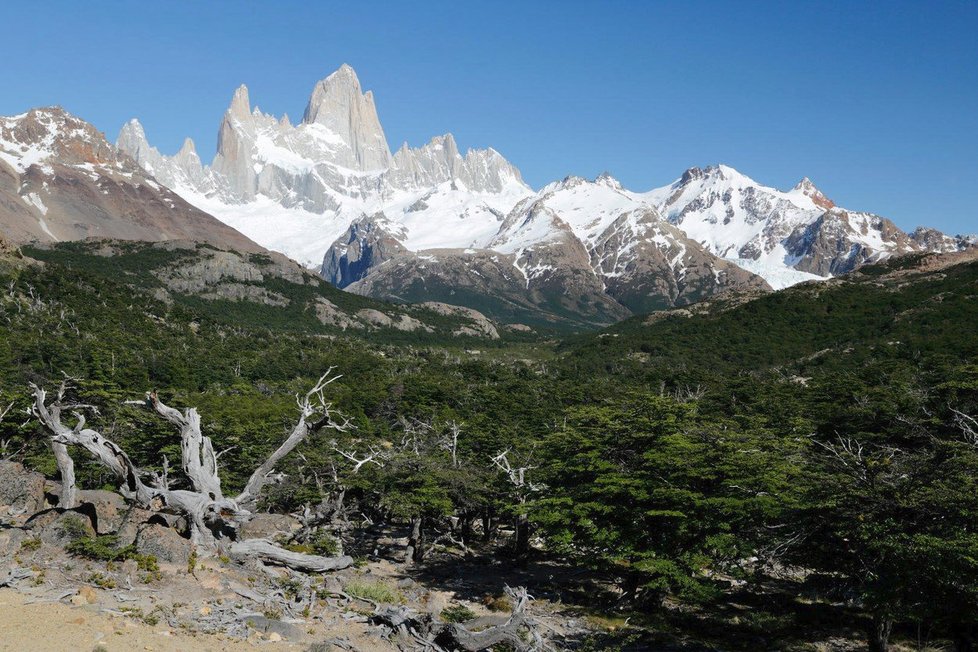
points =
(876, 102)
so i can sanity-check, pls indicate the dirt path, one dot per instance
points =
(55, 627)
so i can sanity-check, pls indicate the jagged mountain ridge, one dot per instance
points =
(328, 189)
(788, 236)
(299, 187)
(60, 179)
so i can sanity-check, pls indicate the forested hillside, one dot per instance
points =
(748, 473)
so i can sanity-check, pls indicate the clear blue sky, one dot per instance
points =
(876, 102)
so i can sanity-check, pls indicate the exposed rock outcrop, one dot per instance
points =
(61, 180)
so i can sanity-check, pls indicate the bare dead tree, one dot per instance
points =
(449, 441)
(210, 512)
(522, 489)
(968, 426)
(331, 509)
(5, 443)
(374, 456)
(688, 393)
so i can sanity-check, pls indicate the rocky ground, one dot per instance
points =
(165, 596)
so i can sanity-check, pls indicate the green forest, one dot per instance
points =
(741, 474)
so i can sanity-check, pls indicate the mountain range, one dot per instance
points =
(432, 224)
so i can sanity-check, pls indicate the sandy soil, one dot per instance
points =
(56, 627)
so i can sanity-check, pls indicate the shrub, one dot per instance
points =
(30, 545)
(320, 543)
(104, 547)
(73, 527)
(375, 591)
(101, 581)
(498, 603)
(457, 614)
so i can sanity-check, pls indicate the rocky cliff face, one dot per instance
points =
(338, 153)
(367, 244)
(61, 180)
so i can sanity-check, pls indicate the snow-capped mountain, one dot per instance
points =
(428, 223)
(785, 237)
(641, 260)
(299, 187)
(61, 180)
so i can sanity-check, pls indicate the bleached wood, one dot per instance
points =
(207, 508)
(270, 553)
(315, 414)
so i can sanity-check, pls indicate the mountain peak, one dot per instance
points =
(240, 103)
(341, 85)
(605, 179)
(132, 136)
(338, 104)
(714, 173)
(345, 71)
(807, 188)
(444, 142)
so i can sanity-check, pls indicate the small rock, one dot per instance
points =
(275, 637)
(205, 611)
(88, 594)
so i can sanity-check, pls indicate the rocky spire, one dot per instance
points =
(338, 104)
(132, 140)
(240, 103)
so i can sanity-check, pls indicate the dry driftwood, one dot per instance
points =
(212, 515)
(519, 630)
(270, 553)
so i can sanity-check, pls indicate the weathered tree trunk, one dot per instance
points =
(518, 632)
(415, 548)
(522, 545)
(269, 552)
(465, 529)
(489, 525)
(209, 511)
(66, 468)
(879, 633)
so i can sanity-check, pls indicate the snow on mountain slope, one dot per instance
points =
(737, 218)
(786, 237)
(641, 260)
(329, 191)
(61, 180)
(298, 188)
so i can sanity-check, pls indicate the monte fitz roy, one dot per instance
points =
(429, 223)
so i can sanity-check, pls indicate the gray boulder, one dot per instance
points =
(21, 491)
(61, 527)
(268, 626)
(164, 543)
(110, 508)
(267, 526)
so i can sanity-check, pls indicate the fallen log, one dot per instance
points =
(268, 552)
